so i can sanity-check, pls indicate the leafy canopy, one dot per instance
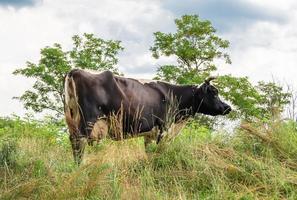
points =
(88, 52)
(273, 99)
(194, 45)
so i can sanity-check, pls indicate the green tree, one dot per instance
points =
(242, 94)
(88, 52)
(195, 46)
(94, 53)
(273, 99)
(266, 100)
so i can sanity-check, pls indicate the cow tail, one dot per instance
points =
(72, 114)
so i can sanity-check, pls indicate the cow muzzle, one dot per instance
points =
(227, 109)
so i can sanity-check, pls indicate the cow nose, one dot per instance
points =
(227, 109)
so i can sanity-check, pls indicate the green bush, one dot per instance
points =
(8, 153)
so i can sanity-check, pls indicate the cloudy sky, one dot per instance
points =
(263, 35)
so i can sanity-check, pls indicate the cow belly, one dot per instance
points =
(118, 127)
(139, 126)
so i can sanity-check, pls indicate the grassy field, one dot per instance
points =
(257, 161)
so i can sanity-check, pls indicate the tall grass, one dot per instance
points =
(258, 161)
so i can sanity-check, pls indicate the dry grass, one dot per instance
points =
(257, 162)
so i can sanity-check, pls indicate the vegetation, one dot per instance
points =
(254, 162)
(195, 46)
(257, 160)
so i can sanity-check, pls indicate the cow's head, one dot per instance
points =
(209, 102)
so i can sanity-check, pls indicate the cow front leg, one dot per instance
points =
(147, 141)
(78, 147)
(149, 137)
(160, 135)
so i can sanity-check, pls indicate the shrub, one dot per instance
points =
(8, 153)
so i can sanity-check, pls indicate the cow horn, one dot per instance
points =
(207, 81)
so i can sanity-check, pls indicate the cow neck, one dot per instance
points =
(186, 93)
(197, 100)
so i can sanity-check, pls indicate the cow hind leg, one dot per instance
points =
(160, 135)
(147, 141)
(150, 137)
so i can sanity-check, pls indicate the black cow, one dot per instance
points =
(92, 100)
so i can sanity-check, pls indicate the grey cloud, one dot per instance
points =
(129, 62)
(18, 3)
(225, 14)
(142, 69)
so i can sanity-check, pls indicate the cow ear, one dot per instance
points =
(205, 87)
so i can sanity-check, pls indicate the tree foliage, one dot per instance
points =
(195, 46)
(242, 94)
(94, 53)
(273, 99)
(88, 52)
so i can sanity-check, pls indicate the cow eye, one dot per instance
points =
(214, 91)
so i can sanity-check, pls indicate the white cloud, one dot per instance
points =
(264, 50)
